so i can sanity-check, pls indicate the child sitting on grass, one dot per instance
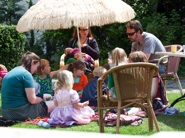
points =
(118, 57)
(159, 98)
(80, 79)
(90, 90)
(69, 110)
(44, 77)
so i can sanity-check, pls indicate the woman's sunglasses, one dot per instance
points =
(83, 30)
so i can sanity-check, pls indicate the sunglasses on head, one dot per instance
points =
(131, 34)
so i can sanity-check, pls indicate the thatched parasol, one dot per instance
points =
(57, 14)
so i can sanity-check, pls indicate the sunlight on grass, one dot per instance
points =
(166, 123)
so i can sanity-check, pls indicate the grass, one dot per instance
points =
(166, 123)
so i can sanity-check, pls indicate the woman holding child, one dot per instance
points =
(88, 44)
(85, 47)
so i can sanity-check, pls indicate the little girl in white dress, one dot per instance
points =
(69, 110)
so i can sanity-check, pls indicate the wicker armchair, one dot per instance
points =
(133, 88)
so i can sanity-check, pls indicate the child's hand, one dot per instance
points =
(77, 55)
(86, 103)
(47, 97)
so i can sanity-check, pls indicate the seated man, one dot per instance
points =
(145, 42)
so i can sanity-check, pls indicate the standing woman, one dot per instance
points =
(88, 44)
(19, 101)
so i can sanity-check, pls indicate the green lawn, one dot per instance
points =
(166, 123)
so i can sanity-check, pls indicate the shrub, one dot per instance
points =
(12, 45)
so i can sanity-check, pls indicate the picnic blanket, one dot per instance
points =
(110, 119)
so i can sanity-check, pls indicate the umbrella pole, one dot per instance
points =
(79, 44)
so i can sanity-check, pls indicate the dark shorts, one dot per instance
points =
(27, 111)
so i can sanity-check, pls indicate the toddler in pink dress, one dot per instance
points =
(69, 110)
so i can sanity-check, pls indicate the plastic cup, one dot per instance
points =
(173, 48)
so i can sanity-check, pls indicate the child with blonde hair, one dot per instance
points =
(69, 110)
(44, 77)
(118, 57)
(90, 90)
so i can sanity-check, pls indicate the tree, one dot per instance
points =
(10, 11)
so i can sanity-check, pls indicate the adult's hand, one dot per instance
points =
(84, 45)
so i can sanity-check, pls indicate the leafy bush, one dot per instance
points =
(12, 45)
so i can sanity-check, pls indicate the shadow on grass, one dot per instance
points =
(176, 122)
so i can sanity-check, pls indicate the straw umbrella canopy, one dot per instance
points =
(58, 14)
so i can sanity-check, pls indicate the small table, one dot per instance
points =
(177, 54)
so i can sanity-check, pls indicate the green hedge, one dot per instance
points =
(12, 44)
